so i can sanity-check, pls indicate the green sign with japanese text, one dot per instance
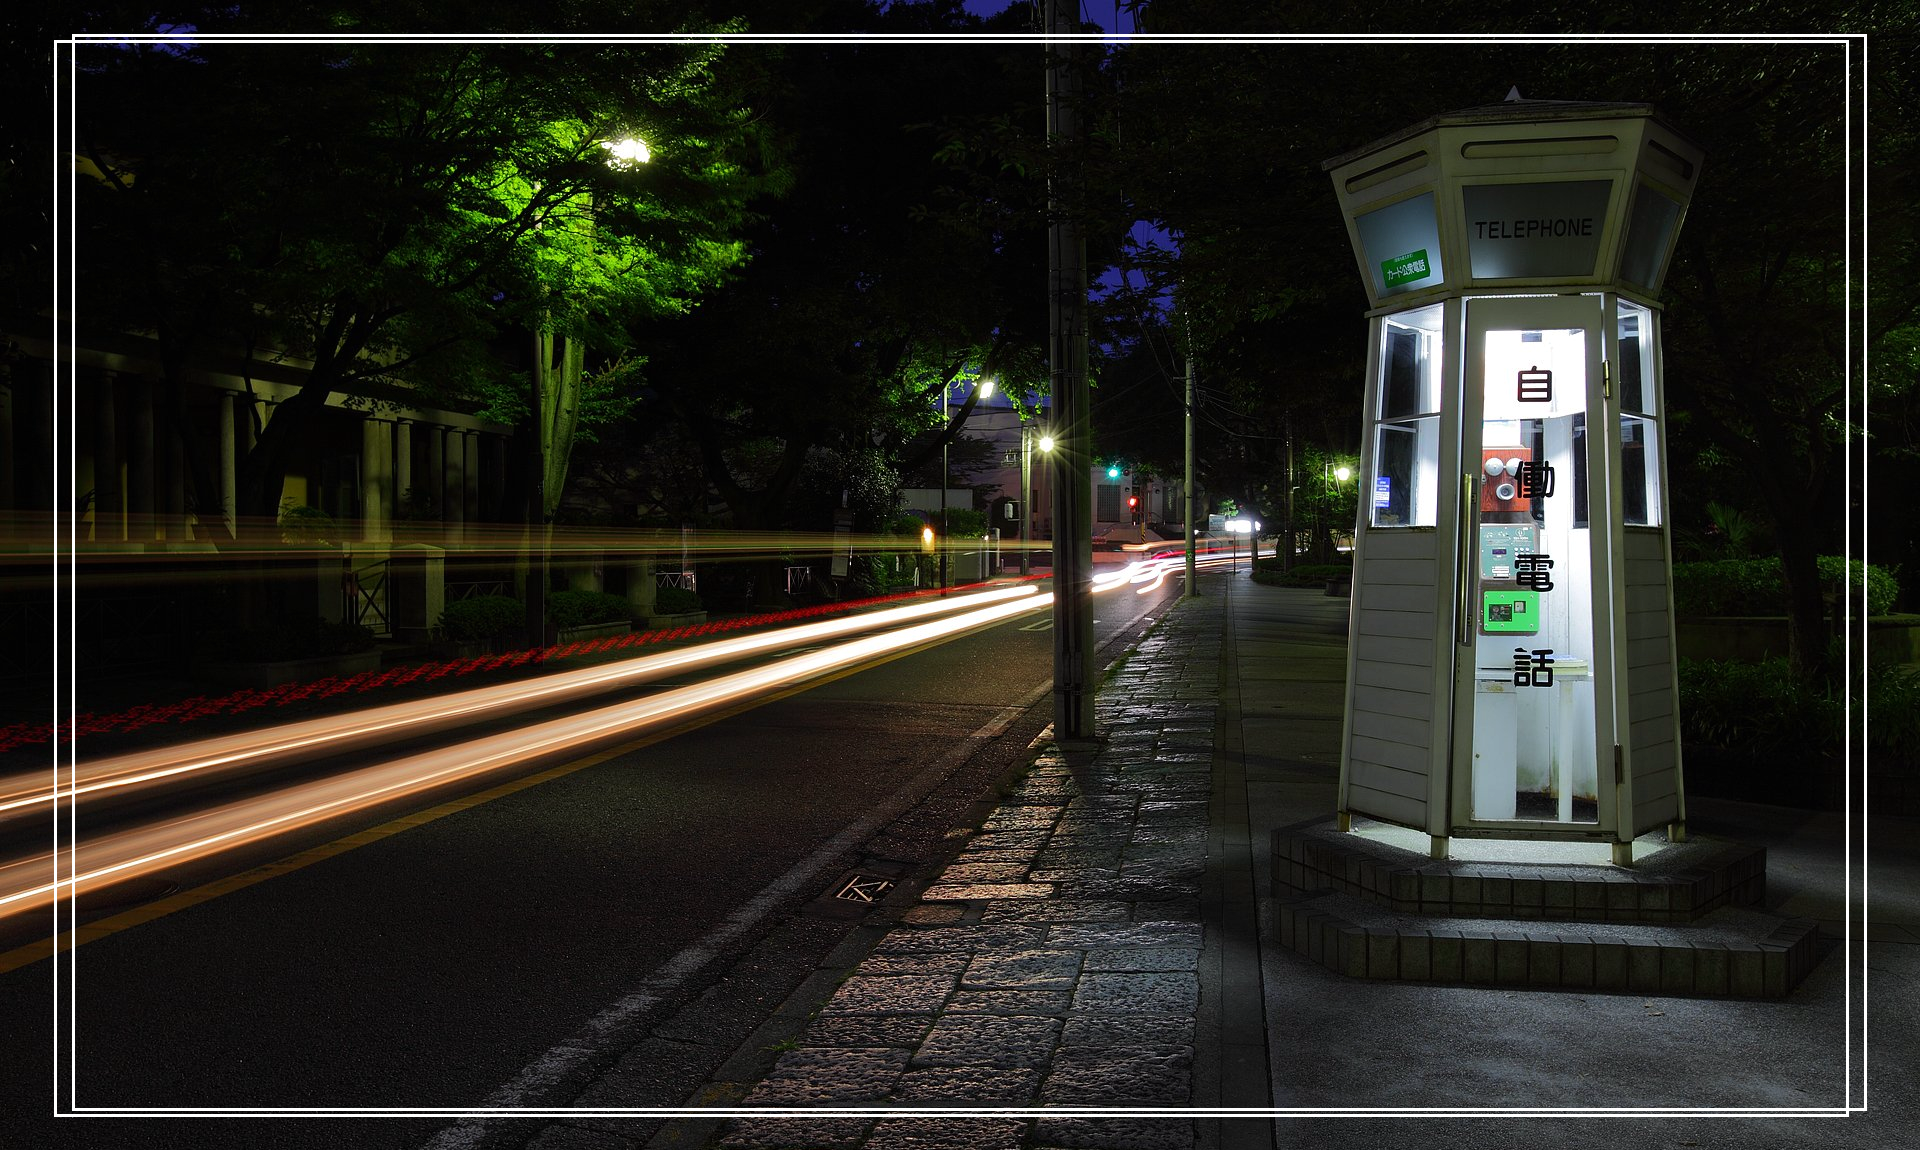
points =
(1405, 269)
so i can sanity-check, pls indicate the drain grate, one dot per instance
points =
(864, 888)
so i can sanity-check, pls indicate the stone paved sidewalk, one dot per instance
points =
(1057, 960)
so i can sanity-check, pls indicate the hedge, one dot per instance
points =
(675, 601)
(1756, 587)
(582, 608)
(482, 617)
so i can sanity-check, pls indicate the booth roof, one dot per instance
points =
(1511, 111)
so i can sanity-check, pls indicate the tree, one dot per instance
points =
(397, 206)
(867, 291)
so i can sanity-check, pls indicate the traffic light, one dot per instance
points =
(1113, 471)
(1133, 508)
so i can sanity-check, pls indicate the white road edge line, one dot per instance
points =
(562, 1060)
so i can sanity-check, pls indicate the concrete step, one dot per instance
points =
(1731, 952)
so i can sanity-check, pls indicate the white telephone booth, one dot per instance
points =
(1511, 668)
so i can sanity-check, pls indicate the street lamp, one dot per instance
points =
(627, 152)
(1026, 493)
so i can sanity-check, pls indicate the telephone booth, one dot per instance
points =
(1511, 666)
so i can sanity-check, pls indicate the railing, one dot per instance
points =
(799, 579)
(685, 580)
(474, 589)
(365, 596)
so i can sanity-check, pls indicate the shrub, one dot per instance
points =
(584, 608)
(964, 523)
(302, 524)
(1755, 586)
(482, 617)
(675, 601)
(1756, 708)
(1303, 574)
(1893, 713)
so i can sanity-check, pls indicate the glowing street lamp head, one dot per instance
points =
(1343, 473)
(629, 152)
(1046, 443)
(986, 388)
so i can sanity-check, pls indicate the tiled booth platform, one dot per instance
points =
(1684, 919)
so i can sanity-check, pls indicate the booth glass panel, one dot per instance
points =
(1533, 704)
(1639, 423)
(1403, 489)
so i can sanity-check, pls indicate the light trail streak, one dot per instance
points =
(134, 852)
(137, 851)
(31, 795)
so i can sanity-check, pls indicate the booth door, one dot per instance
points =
(1532, 647)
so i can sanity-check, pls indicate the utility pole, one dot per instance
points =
(1193, 587)
(1073, 686)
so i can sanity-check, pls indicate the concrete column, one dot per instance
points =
(227, 411)
(470, 474)
(456, 486)
(140, 473)
(109, 517)
(403, 461)
(173, 466)
(640, 585)
(376, 480)
(436, 468)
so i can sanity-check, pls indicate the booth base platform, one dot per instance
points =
(1684, 919)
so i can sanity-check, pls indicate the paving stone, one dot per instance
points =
(969, 1085)
(1096, 1030)
(989, 1040)
(1007, 840)
(1065, 877)
(969, 892)
(948, 1134)
(1057, 910)
(1130, 889)
(1171, 836)
(1104, 993)
(960, 872)
(1187, 866)
(1009, 1002)
(931, 915)
(892, 994)
(944, 963)
(1119, 1074)
(1143, 958)
(813, 1077)
(1178, 910)
(1023, 970)
(1022, 818)
(781, 1133)
(962, 939)
(1094, 936)
(901, 1030)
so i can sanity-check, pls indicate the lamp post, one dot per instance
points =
(626, 153)
(1026, 493)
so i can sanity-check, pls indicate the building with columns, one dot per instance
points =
(89, 456)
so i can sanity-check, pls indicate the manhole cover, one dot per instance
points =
(864, 888)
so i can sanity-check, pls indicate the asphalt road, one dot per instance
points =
(501, 953)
